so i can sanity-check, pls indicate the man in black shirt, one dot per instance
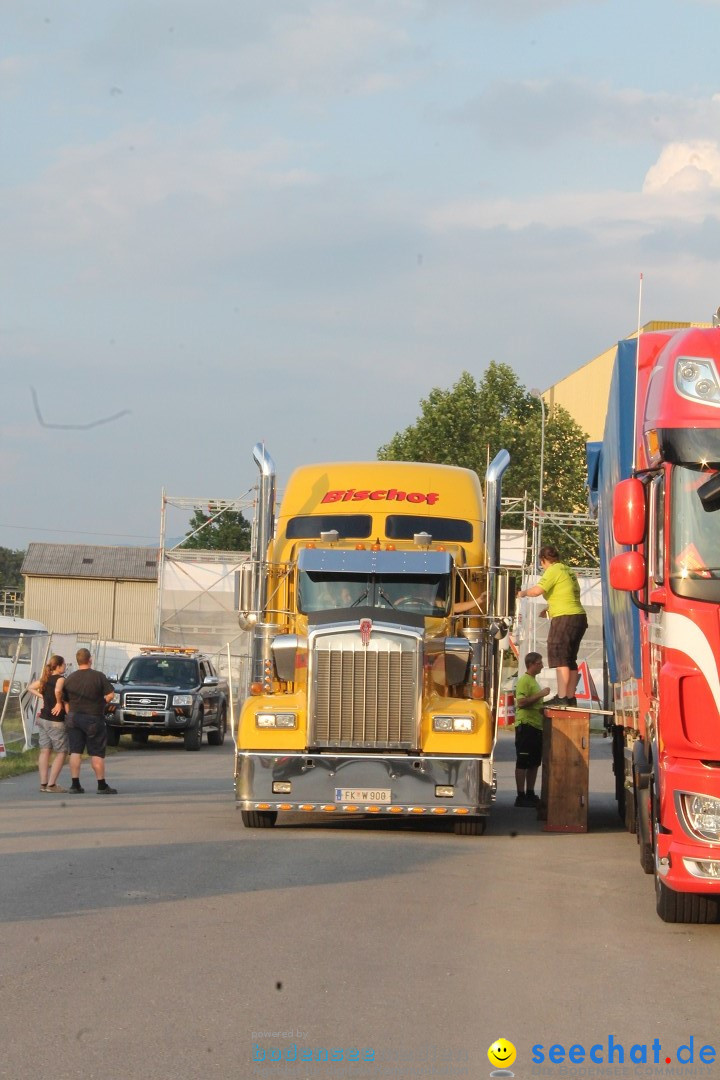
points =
(86, 693)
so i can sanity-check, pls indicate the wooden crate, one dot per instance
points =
(565, 770)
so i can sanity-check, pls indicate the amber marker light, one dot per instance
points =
(329, 808)
(351, 809)
(417, 809)
(396, 809)
(256, 688)
(372, 809)
(390, 547)
(262, 806)
(461, 810)
(439, 810)
(478, 693)
(284, 806)
(359, 547)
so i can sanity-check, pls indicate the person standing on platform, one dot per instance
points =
(86, 693)
(529, 730)
(568, 622)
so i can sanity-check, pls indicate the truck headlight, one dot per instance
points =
(115, 700)
(452, 723)
(276, 720)
(697, 380)
(182, 699)
(702, 814)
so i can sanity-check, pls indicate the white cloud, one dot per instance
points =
(306, 48)
(682, 186)
(537, 113)
(685, 168)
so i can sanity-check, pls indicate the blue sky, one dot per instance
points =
(288, 221)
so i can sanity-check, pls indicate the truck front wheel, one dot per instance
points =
(677, 907)
(259, 819)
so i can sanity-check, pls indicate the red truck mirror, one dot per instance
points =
(629, 512)
(627, 571)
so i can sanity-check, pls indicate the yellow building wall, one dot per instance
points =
(584, 393)
(108, 610)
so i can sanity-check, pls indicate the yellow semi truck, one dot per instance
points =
(376, 603)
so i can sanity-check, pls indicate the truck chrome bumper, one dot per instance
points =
(395, 784)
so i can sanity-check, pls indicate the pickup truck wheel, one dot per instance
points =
(470, 826)
(258, 819)
(140, 737)
(192, 738)
(217, 737)
(113, 736)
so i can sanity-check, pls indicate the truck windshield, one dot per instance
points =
(694, 537)
(157, 671)
(420, 594)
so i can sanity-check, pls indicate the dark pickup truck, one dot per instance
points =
(169, 693)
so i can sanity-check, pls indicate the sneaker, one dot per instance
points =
(532, 798)
(571, 702)
(43, 787)
(554, 702)
(56, 789)
(107, 790)
(76, 790)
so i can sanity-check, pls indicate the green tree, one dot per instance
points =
(229, 531)
(468, 424)
(10, 563)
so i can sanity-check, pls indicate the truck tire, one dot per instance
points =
(113, 736)
(217, 737)
(677, 907)
(192, 739)
(470, 826)
(140, 737)
(644, 816)
(258, 819)
(618, 758)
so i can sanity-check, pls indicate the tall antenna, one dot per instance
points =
(637, 371)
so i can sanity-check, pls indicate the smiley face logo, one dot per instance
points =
(502, 1053)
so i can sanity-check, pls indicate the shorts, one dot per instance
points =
(528, 746)
(52, 735)
(566, 633)
(86, 733)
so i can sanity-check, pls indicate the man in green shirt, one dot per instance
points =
(568, 621)
(528, 730)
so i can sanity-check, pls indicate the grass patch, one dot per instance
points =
(18, 762)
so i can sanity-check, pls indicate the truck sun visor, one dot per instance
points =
(374, 562)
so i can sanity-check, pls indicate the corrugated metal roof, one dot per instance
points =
(90, 561)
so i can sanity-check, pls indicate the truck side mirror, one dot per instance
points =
(627, 572)
(629, 512)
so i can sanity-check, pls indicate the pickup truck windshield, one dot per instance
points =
(695, 538)
(159, 671)
(421, 594)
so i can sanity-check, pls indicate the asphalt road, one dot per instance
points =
(150, 935)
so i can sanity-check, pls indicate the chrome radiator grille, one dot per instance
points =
(140, 700)
(365, 696)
